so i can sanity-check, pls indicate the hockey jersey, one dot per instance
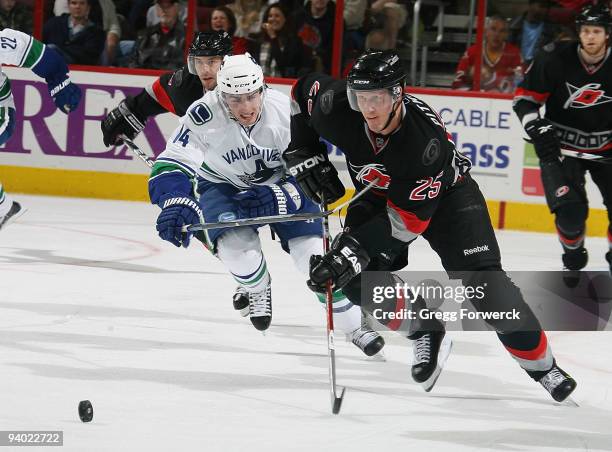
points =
(211, 145)
(578, 98)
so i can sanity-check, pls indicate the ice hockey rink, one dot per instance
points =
(93, 305)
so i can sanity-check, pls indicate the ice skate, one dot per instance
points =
(260, 308)
(431, 351)
(574, 260)
(558, 383)
(241, 301)
(14, 212)
(368, 340)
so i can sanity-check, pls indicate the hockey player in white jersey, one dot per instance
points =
(231, 140)
(20, 49)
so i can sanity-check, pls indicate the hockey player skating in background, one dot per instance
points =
(574, 82)
(174, 92)
(231, 140)
(20, 49)
(423, 188)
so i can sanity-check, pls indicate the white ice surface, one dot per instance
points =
(93, 305)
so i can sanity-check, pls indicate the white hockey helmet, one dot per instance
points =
(240, 74)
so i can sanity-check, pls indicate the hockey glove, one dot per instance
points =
(544, 139)
(267, 200)
(66, 95)
(121, 121)
(345, 260)
(177, 211)
(314, 173)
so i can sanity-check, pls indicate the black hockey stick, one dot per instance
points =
(277, 218)
(136, 150)
(336, 400)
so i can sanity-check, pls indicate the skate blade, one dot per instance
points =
(14, 217)
(570, 402)
(445, 349)
(380, 357)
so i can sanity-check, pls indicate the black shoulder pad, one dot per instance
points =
(176, 79)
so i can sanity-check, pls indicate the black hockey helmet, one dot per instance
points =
(374, 70)
(594, 15)
(208, 44)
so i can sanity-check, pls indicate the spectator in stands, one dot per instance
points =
(248, 16)
(222, 18)
(501, 68)
(162, 46)
(389, 16)
(74, 35)
(16, 16)
(315, 26)
(354, 17)
(278, 49)
(104, 14)
(153, 17)
(532, 30)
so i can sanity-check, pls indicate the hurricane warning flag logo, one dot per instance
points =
(585, 96)
(369, 173)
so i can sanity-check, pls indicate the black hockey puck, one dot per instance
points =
(85, 411)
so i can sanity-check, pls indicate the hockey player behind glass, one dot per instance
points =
(574, 81)
(20, 49)
(231, 141)
(424, 189)
(174, 92)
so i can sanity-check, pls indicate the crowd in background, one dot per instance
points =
(287, 37)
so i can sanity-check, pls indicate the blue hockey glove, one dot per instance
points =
(177, 211)
(267, 200)
(66, 95)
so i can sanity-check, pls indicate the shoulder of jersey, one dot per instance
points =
(278, 101)
(204, 112)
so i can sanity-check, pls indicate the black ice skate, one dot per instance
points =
(574, 260)
(14, 212)
(368, 340)
(260, 308)
(241, 301)
(431, 351)
(558, 383)
(609, 259)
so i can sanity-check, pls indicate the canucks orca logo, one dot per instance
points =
(262, 174)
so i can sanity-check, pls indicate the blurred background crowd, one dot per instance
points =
(291, 37)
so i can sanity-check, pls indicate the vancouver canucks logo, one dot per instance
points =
(262, 174)
(586, 96)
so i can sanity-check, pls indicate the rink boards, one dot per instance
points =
(54, 154)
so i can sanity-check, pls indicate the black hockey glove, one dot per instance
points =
(345, 260)
(121, 121)
(315, 174)
(544, 139)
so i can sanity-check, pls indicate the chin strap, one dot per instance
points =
(391, 116)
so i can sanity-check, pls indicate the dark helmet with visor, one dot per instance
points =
(207, 44)
(375, 70)
(598, 15)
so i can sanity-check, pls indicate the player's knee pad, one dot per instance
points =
(235, 243)
(570, 218)
(301, 248)
(558, 188)
(500, 301)
(7, 123)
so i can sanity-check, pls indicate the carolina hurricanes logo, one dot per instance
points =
(369, 173)
(585, 96)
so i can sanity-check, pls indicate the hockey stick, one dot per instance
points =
(136, 150)
(277, 218)
(585, 156)
(336, 400)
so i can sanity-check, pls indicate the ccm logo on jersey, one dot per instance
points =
(308, 163)
(346, 252)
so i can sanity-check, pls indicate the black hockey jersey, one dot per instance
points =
(413, 165)
(578, 98)
(173, 92)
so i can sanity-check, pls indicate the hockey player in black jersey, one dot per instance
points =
(422, 188)
(173, 92)
(574, 81)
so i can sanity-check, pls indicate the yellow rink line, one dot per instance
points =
(133, 187)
